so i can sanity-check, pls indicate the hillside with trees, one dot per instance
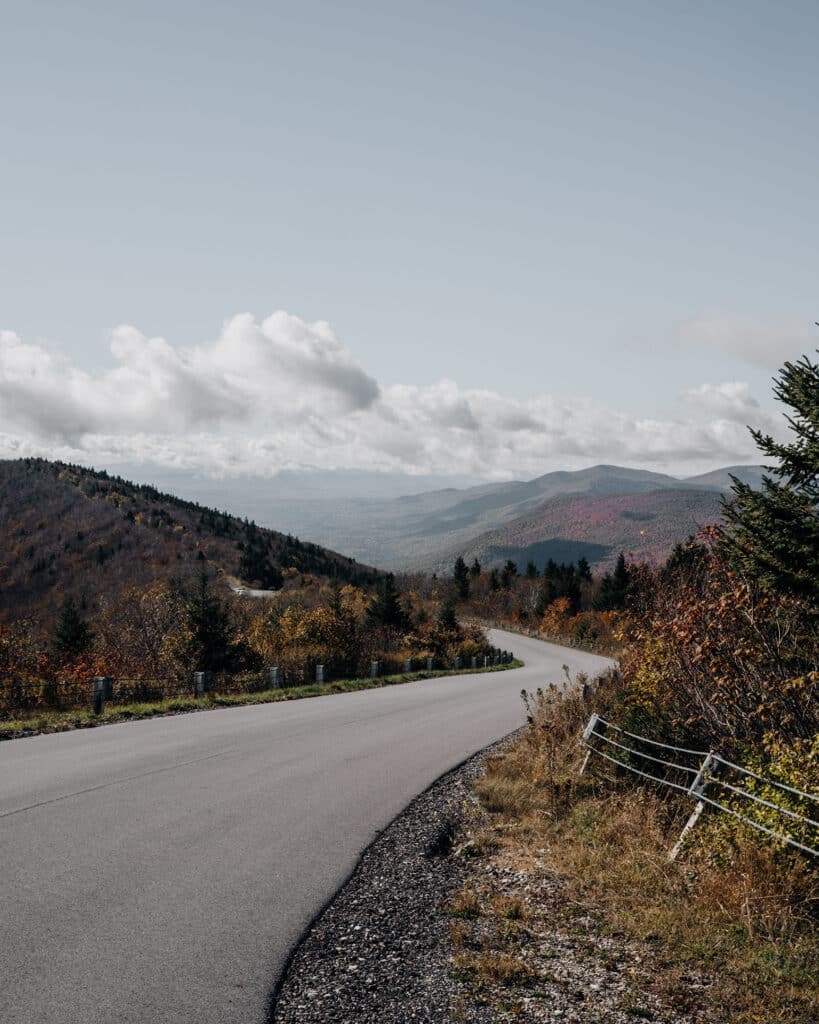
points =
(68, 530)
(597, 528)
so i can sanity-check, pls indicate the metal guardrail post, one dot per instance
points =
(102, 690)
(697, 789)
(201, 683)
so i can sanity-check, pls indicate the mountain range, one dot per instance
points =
(595, 512)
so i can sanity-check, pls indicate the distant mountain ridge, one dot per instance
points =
(594, 513)
(421, 531)
(69, 530)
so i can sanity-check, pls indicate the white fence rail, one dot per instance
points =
(678, 772)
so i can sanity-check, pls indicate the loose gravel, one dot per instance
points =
(383, 949)
(380, 952)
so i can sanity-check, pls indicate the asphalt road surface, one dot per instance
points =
(160, 871)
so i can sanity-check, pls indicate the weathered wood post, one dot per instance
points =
(408, 665)
(697, 789)
(320, 674)
(276, 678)
(375, 669)
(430, 664)
(459, 663)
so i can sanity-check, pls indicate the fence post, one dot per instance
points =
(474, 662)
(408, 665)
(275, 678)
(320, 674)
(201, 683)
(697, 788)
(458, 662)
(102, 690)
(430, 664)
(375, 669)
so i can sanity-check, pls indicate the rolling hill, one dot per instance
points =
(647, 526)
(69, 530)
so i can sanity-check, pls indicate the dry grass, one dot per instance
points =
(731, 905)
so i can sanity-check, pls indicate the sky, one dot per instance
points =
(432, 238)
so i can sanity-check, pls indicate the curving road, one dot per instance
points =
(160, 871)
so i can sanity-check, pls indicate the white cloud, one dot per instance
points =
(282, 393)
(282, 363)
(731, 400)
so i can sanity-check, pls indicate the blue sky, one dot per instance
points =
(605, 208)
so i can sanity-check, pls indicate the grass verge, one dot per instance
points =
(726, 933)
(63, 721)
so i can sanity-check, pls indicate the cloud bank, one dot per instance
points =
(282, 393)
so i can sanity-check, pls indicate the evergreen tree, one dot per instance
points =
(531, 572)
(614, 587)
(460, 574)
(584, 570)
(475, 569)
(494, 582)
(447, 619)
(209, 632)
(386, 612)
(72, 636)
(772, 534)
(559, 581)
(508, 573)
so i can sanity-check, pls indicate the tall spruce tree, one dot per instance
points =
(72, 636)
(772, 534)
(208, 648)
(460, 574)
(386, 611)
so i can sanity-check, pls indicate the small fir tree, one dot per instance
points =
(772, 534)
(73, 635)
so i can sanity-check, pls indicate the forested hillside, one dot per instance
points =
(69, 530)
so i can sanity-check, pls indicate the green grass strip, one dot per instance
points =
(63, 721)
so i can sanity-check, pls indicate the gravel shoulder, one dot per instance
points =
(381, 949)
(392, 945)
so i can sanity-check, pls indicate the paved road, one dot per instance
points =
(160, 871)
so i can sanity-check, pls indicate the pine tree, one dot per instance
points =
(772, 534)
(72, 635)
(475, 569)
(386, 612)
(584, 570)
(460, 574)
(209, 643)
(614, 587)
(447, 619)
(508, 573)
(531, 572)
